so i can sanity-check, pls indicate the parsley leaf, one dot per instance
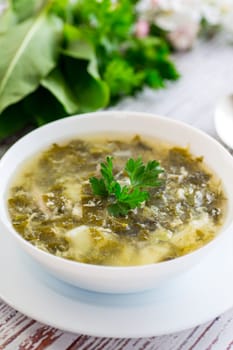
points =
(124, 198)
(121, 77)
(127, 200)
(141, 175)
(107, 173)
(98, 187)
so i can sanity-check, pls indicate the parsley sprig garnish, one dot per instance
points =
(124, 198)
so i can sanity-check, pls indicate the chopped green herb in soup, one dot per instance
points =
(148, 202)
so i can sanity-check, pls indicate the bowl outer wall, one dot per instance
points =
(116, 279)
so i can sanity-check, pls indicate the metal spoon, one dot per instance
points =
(224, 120)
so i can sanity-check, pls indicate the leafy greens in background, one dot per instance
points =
(62, 57)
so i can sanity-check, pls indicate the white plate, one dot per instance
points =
(194, 298)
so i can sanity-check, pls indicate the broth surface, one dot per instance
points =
(51, 204)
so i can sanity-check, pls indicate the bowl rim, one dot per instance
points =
(121, 115)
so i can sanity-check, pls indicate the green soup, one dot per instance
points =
(52, 206)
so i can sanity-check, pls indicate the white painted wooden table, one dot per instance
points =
(207, 74)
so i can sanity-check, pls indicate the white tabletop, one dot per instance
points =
(207, 75)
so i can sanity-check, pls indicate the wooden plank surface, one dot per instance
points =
(207, 74)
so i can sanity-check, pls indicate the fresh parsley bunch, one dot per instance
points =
(124, 198)
(62, 57)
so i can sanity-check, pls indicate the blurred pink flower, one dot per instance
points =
(183, 37)
(181, 19)
(142, 28)
(154, 2)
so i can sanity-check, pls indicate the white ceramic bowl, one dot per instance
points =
(105, 278)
